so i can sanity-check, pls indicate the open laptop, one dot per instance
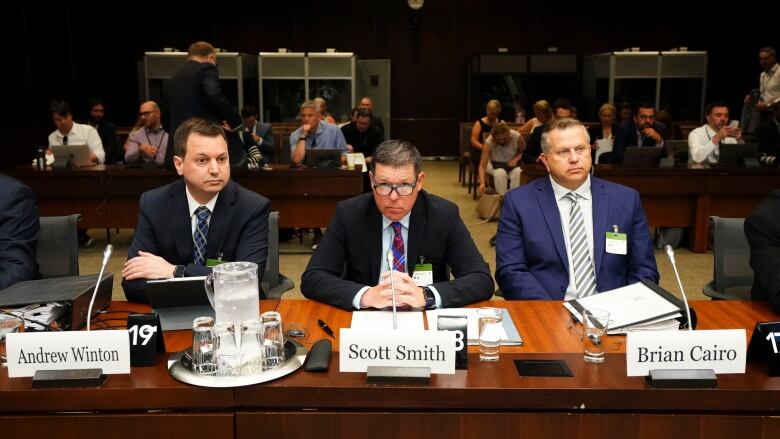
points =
(642, 157)
(75, 155)
(737, 155)
(323, 158)
(178, 301)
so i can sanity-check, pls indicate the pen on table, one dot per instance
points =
(326, 328)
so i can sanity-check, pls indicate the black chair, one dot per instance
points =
(274, 284)
(733, 278)
(58, 247)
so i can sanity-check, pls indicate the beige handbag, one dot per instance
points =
(489, 206)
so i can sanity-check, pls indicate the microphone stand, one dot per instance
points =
(670, 255)
(106, 254)
(392, 288)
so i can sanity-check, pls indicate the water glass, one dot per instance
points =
(227, 355)
(273, 339)
(490, 332)
(203, 346)
(594, 334)
(251, 347)
(8, 324)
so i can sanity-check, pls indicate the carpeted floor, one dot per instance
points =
(441, 179)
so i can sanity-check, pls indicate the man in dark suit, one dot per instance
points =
(203, 216)
(641, 130)
(768, 134)
(194, 91)
(19, 232)
(762, 230)
(257, 137)
(423, 233)
(106, 130)
(551, 230)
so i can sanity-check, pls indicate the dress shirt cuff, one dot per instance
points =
(435, 294)
(358, 296)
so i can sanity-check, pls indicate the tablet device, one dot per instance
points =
(178, 301)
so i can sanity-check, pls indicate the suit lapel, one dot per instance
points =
(181, 222)
(600, 209)
(417, 223)
(221, 219)
(549, 206)
(375, 256)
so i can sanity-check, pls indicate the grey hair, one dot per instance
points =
(560, 124)
(311, 104)
(770, 51)
(396, 154)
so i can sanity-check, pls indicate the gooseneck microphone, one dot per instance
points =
(392, 288)
(106, 254)
(670, 255)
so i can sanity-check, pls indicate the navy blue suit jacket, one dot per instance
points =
(238, 230)
(19, 232)
(531, 252)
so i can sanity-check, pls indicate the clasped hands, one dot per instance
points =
(406, 292)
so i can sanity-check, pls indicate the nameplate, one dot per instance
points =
(721, 350)
(29, 352)
(360, 348)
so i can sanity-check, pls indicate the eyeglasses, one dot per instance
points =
(646, 116)
(403, 190)
(564, 154)
(145, 113)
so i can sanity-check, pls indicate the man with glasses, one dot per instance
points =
(149, 142)
(422, 235)
(194, 91)
(641, 130)
(571, 235)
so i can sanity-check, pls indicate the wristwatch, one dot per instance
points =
(179, 271)
(430, 299)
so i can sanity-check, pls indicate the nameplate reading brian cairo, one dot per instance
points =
(722, 350)
(360, 348)
(29, 352)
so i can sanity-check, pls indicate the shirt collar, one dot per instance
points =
(404, 221)
(560, 191)
(194, 205)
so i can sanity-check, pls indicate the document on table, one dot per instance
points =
(604, 146)
(384, 320)
(509, 334)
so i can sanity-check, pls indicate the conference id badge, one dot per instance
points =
(617, 244)
(423, 274)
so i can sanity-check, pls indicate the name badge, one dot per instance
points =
(29, 352)
(360, 348)
(721, 350)
(616, 243)
(423, 274)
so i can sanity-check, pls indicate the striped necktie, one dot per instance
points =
(398, 248)
(584, 275)
(200, 237)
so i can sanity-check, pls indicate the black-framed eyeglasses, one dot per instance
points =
(403, 190)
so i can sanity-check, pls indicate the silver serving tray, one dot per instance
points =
(181, 373)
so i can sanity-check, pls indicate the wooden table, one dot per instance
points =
(489, 399)
(687, 197)
(107, 196)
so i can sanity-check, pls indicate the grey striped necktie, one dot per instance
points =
(584, 275)
(200, 237)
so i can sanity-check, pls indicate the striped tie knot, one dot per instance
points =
(200, 237)
(582, 265)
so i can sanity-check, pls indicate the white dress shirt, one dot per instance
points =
(81, 134)
(770, 85)
(564, 209)
(701, 148)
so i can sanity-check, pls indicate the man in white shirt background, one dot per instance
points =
(72, 133)
(704, 141)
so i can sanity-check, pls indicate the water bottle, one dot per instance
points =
(41, 160)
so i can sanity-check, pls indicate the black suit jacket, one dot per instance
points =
(238, 229)
(352, 245)
(768, 137)
(626, 135)
(762, 229)
(194, 91)
(19, 232)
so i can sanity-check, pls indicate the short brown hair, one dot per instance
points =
(195, 125)
(201, 49)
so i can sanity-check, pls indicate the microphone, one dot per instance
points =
(106, 255)
(392, 288)
(670, 255)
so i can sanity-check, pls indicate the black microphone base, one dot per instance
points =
(49, 379)
(682, 379)
(391, 375)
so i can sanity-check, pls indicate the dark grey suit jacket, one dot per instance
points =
(19, 232)
(353, 245)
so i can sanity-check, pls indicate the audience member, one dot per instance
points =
(257, 137)
(106, 130)
(543, 113)
(313, 134)
(605, 130)
(642, 130)
(481, 130)
(704, 141)
(501, 158)
(561, 110)
(149, 142)
(73, 133)
(327, 117)
(361, 136)
(769, 84)
(368, 104)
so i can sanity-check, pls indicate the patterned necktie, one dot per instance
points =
(200, 237)
(584, 275)
(398, 248)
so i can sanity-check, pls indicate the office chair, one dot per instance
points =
(733, 277)
(274, 284)
(58, 248)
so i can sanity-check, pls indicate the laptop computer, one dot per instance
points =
(323, 158)
(74, 155)
(641, 157)
(738, 155)
(178, 301)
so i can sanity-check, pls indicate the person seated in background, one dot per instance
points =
(642, 130)
(673, 130)
(552, 241)
(350, 268)
(481, 130)
(762, 230)
(327, 117)
(257, 137)
(768, 134)
(605, 130)
(543, 113)
(368, 104)
(148, 142)
(200, 217)
(561, 109)
(72, 133)
(501, 158)
(313, 134)
(704, 141)
(20, 230)
(106, 130)
(361, 136)
(626, 113)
